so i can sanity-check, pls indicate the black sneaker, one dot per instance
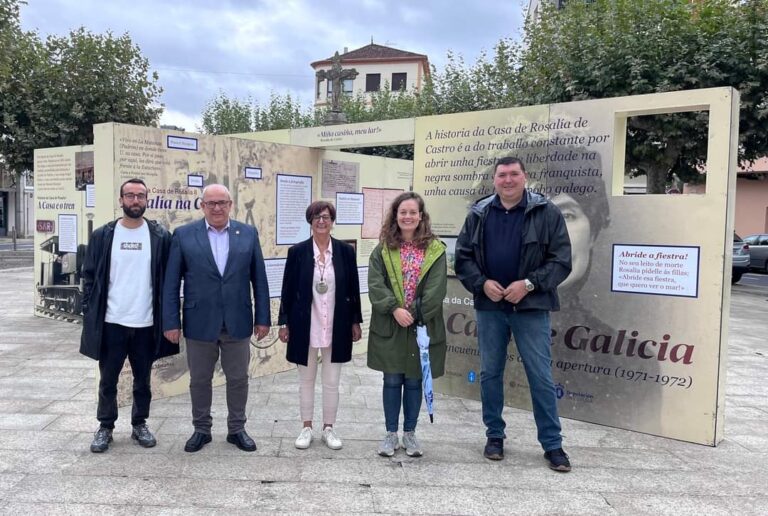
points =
(558, 460)
(101, 440)
(494, 448)
(143, 436)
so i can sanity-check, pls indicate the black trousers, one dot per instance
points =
(136, 344)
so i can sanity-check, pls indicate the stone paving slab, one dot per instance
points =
(736, 412)
(69, 407)
(24, 421)
(88, 394)
(515, 501)
(432, 500)
(37, 461)
(84, 421)
(32, 440)
(68, 509)
(754, 443)
(123, 444)
(8, 481)
(21, 406)
(35, 382)
(47, 420)
(55, 375)
(8, 392)
(194, 511)
(193, 492)
(10, 362)
(689, 505)
(289, 399)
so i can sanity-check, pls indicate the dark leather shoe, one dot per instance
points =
(197, 441)
(494, 448)
(242, 441)
(143, 436)
(101, 440)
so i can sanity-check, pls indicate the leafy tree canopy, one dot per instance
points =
(229, 115)
(610, 48)
(52, 91)
(602, 49)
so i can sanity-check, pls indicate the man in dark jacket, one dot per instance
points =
(511, 254)
(122, 291)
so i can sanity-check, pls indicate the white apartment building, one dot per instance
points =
(378, 67)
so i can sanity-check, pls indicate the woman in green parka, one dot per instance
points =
(406, 284)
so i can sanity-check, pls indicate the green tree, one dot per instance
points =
(486, 85)
(382, 105)
(224, 115)
(610, 48)
(99, 78)
(228, 115)
(491, 83)
(55, 90)
(282, 112)
(9, 32)
(19, 52)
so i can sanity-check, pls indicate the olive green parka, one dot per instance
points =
(392, 348)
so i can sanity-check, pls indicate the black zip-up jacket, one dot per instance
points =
(96, 283)
(545, 255)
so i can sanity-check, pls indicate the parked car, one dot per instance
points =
(758, 252)
(741, 258)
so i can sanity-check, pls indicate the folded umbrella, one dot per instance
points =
(422, 339)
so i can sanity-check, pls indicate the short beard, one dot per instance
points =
(134, 212)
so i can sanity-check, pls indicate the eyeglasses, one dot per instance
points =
(133, 196)
(324, 218)
(216, 204)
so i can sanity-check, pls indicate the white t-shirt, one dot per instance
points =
(129, 297)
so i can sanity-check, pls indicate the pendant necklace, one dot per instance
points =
(321, 286)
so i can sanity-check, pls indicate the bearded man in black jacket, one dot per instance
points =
(122, 291)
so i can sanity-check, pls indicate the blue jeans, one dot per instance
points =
(397, 387)
(532, 337)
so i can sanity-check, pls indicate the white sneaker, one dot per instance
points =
(331, 439)
(304, 438)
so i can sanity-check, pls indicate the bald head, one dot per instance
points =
(217, 202)
(217, 188)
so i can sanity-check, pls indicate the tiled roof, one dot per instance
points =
(374, 52)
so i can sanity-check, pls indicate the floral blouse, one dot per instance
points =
(411, 258)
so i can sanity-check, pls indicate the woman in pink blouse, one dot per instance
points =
(320, 314)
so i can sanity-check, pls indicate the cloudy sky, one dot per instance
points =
(251, 47)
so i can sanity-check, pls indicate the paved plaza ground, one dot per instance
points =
(47, 418)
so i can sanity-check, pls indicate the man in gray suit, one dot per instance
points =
(220, 261)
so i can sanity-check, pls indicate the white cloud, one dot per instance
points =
(253, 47)
(413, 16)
(189, 123)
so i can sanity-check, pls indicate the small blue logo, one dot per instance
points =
(559, 391)
(471, 376)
